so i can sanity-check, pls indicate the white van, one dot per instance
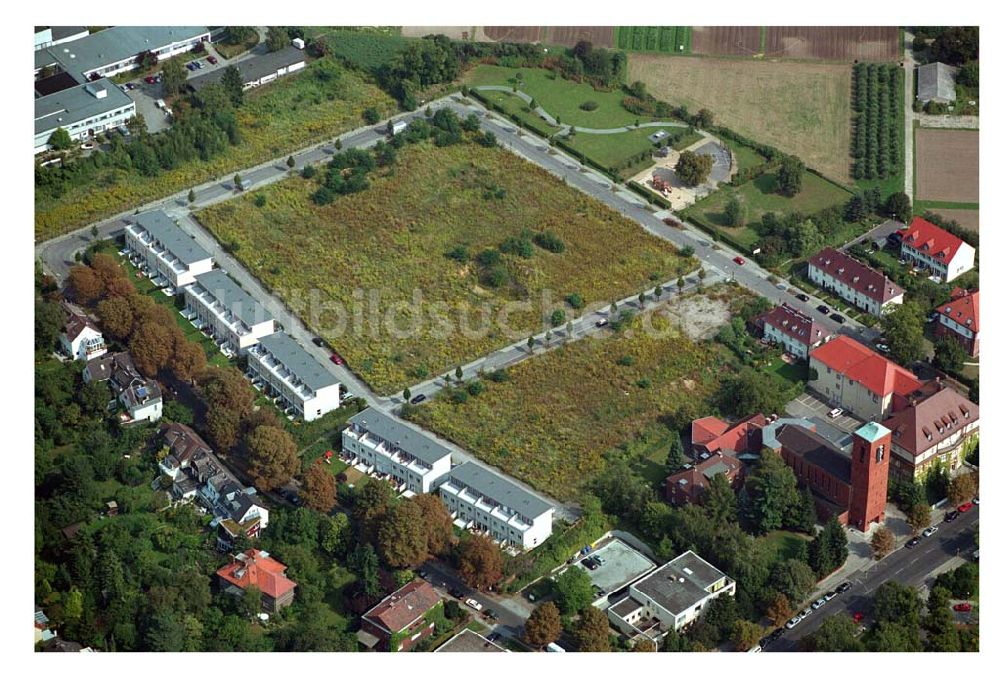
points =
(554, 648)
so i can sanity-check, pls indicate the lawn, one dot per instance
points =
(369, 272)
(800, 108)
(746, 157)
(552, 421)
(614, 150)
(559, 97)
(781, 544)
(283, 116)
(228, 49)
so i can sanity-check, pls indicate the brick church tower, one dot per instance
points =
(869, 475)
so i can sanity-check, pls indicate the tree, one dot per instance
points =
(174, 76)
(919, 517)
(745, 634)
(942, 635)
(273, 457)
(897, 603)
(319, 488)
(479, 562)
(789, 176)
(402, 537)
(437, 522)
(277, 38)
(903, 330)
(543, 625)
(835, 634)
(370, 115)
(406, 394)
(189, 361)
(232, 85)
(228, 400)
(898, 207)
(49, 322)
(962, 489)
(675, 456)
(458, 373)
(780, 609)
(792, 578)
(956, 45)
(772, 492)
(371, 504)
(238, 181)
(152, 347)
(949, 354)
(191, 196)
(591, 631)
(644, 645)
(558, 317)
(85, 285)
(531, 344)
(883, 542)
(736, 212)
(693, 169)
(573, 591)
(750, 392)
(290, 162)
(704, 118)
(720, 499)
(60, 139)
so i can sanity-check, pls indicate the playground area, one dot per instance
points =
(663, 180)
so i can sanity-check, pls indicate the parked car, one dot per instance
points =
(474, 604)
(599, 560)
(490, 614)
(858, 617)
(317, 341)
(805, 612)
(739, 260)
(930, 531)
(792, 622)
(975, 500)
(802, 297)
(418, 399)
(212, 60)
(777, 633)
(589, 563)
(190, 66)
(838, 318)
(456, 593)
(844, 587)
(913, 542)
(336, 359)
(817, 604)
(88, 145)
(965, 507)
(494, 637)
(823, 309)
(882, 347)
(603, 322)
(951, 516)
(830, 595)
(150, 79)
(835, 413)
(963, 607)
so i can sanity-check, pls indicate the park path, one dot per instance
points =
(908, 115)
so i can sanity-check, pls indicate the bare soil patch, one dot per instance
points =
(514, 33)
(699, 317)
(833, 43)
(947, 165)
(725, 40)
(968, 218)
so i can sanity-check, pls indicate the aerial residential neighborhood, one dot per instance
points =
(506, 339)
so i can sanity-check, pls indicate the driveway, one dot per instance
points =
(836, 430)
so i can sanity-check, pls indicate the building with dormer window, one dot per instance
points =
(795, 332)
(853, 281)
(959, 318)
(932, 248)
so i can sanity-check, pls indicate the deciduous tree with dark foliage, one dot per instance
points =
(693, 169)
(479, 562)
(544, 625)
(319, 488)
(402, 536)
(273, 457)
(591, 631)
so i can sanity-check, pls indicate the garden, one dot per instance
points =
(667, 39)
(877, 141)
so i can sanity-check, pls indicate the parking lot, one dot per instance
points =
(836, 430)
(622, 565)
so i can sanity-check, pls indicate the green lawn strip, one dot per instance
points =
(793, 373)
(746, 157)
(615, 150)
(228, 50)
(763, 39)
(652, 454)
(683, 138)
(921, 206)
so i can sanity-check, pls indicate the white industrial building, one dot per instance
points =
(257, 70)
(383, 444)
(480, 499)
(221, 307)
(294, 376)
(49, 36)
(83, 111)
(168, 255)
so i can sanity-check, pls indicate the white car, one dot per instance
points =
(818, 603)
(793, 621)
(930, 531)
(834, 413)
(474, 604)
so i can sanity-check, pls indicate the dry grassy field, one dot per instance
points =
(833, 43)
(726, 40)
(947, 165)
(391, 239)
(799, 108)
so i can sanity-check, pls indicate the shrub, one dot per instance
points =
(488, 257)
(475, 388)
(575, 301)
(517, 245)
(459, 253)
(588, 106)
(550, 241)
(308, 172)
(558, 317)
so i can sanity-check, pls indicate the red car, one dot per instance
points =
(212, 60)
(739, 260)
(965, 507)
(336, 359)
(150, 79)
(858, 617)
(963, 606)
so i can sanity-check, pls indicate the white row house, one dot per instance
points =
(481, 499)
(853, 281)
(795, 332)
(386, 445)
(293, 375)
(216, 303)
(168, 255)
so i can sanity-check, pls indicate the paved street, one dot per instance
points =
(511, 612)
(952, 543)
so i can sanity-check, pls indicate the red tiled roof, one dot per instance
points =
(932, 240)
(704, 430)
(405, 606)
(693, 481)
(963, 310)
(254, 568)
(879, 375)
(795, 325)
(856, 275)
(931, 418)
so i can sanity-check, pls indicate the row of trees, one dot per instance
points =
(875, 145)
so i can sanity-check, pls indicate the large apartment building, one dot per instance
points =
(853, 281)
(230, 314)
(856, 378)
(933, 248)
(959, 319)
(294, 376)
(386, 445)
(481, 499)
(83, 111)
(168, 255)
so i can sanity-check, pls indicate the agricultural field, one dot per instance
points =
(947, 166)
(726, 40)
(878, 145)
(392, 239)
(799, 108)
(967, 218)
(365, 51)
(559, 97)
(514, 33)
(666, 39)
(281, 117)
(568, 36)
(833, 43)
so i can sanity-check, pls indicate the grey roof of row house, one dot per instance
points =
(936, 81)
(307, 368)
(112, 45)
(252, 67)
(501, 490)
(233, 297)
(164, 229)
(392, 430)
(75, 104)
(680, 583)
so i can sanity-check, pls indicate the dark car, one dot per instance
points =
(802, 297)
(912, 543)
(494, 637)
(843, 587)
(317, 341)
(489, 613)
(779, 631)
(952, 516)
(212, 60)
(418, 399)
(823, 309)
(837, 317)
(589, 563)
(456, 593)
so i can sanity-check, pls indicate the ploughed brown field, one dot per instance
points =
(599, 36)
(725, 40)
(514, 33)
(833, 43)
(947, 165)
(968, 218)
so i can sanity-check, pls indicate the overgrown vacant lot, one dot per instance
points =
(283, 116)
(799, 108)
(393, 237)
(551, 422)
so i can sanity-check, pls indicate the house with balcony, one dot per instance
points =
(669, 598)
(853, 281)
(959, 319)
(165, 253)
(795, 332)
(379, 443)
(256, 568)
(485, 501)
(932, 248)
(139, 398)
(402, 619)
(294, 377)
(222, 309)
(80, 338)
(182, 445)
